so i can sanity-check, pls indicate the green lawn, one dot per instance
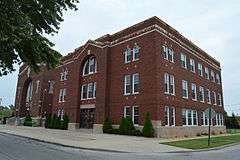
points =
(202, 143)
(233, 131)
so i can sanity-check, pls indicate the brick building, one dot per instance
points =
(148, 67)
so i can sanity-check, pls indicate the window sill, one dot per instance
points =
(185, 98)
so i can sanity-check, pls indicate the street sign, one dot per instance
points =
(207, 113)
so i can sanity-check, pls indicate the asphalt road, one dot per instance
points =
(17, 148)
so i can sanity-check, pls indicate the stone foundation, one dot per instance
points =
(73, 126)
(187, 131)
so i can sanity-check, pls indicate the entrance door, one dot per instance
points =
(87, 118)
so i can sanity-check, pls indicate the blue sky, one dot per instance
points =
(212, 25)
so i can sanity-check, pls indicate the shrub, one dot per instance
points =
(54, 121)
(148, 130)
(123, 126)
(48, 121)
(107, 125)
(28, 121)
(115, 131)
(129, 126)
(64, 123)
(136, 133)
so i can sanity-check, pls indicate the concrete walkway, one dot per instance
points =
(104, 142)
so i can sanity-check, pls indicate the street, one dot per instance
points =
(17, 148)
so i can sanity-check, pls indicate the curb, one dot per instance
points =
(64, 145)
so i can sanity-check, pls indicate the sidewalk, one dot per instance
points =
(102, 142)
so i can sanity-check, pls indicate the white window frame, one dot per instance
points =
(207, 76)
(208, 96)
(219, 99)
(200, 69)
(60, 97)
(204, 116)
(134, 82)
(201, 90)
(213, 79)
(84, 85)
(192, 64)
(94, 89)
(133, 115)
(126, 53)
(218, 79)
(136, 49)
(167, 108)
(185, 87)
(183, 58)
(90, 88)
(64, 92)
(125, 111)
(214, 98)
(186, 118)
(125, 84)
(168, 51)
(194, 87)
(169, 80)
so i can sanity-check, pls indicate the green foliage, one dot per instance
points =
(148, 130)
(7, 111)
(27, 121)
(107, 125)
(48, 121)
(22, 28)
(232, 122)
(123, 126)
(65, 122)
(54, 122)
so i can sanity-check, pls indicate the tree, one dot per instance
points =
(22, 26)
(148, 130)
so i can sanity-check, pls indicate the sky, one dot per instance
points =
(212, 25)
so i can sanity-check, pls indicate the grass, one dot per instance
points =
(202, 143)
(233, 131)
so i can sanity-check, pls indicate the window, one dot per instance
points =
(136, 53)
(204, 119)
(90, 66)
(169, 84)
(135, 84)
(127, 112)
(62, 95)
(90, 90)
(200, 69)
(208, 96)
(168, 54)
(219, 119)
(194, 92)
(201, 94)
(214, 98)
(63, 74)
(184, 89)
(50, 86)
(131, 84)
(206, 73)
(29, 92)
(94, 89)
(127, 85)
(37, 86)
(212, 76)
(218, 79)
(219, 99)
(60, 113)
(183, 60)
(189, 117)
(84, 92)
(169, 116)
(192, 65)
(127, 56)
(135, 115)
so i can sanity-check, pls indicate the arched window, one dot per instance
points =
(29, 92)
(90, 66)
